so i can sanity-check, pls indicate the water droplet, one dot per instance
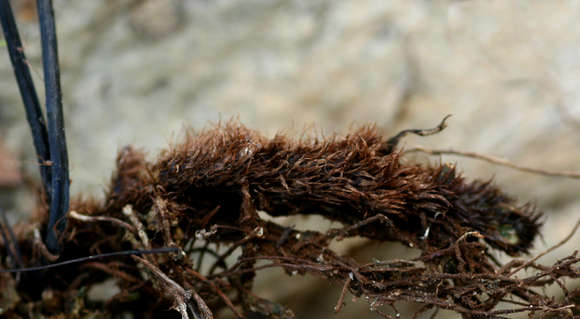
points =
(373, 304)
(426, 234)
(320, 258)
(260, 232)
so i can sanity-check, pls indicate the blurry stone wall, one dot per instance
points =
(141, 71)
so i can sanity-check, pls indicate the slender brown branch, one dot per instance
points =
(85, 218)
(116, 273)
(179, 294)
(217, 290)
(129, 212)
(394, 141)
(340, 302)
(547, 251)
(495, 160)
(39, 244)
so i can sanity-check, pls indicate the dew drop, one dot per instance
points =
(260, 232)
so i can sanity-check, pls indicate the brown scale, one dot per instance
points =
(347, 180)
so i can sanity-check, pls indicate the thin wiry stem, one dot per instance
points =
(28, 93)
(10, 239)
(59, 203)
(164, 250)
(392, 143)
(549, 250)
(497, 161)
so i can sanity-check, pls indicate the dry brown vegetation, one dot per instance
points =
(202, 198)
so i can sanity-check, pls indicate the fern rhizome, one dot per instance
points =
(204, 194)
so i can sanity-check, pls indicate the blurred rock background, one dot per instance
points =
(140, 71)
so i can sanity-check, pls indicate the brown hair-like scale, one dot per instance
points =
(346, 179)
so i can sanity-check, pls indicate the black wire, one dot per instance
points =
(59, 203)
(28, 93)
(163, 250)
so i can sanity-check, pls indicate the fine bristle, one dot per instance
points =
(343, 179)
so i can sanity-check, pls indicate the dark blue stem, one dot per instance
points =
(59, 203)
(28, 93)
